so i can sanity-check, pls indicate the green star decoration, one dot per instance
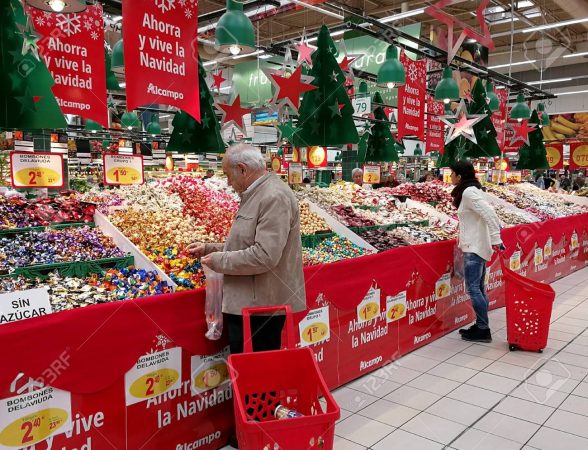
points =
(335, 110)
(30, 39)
(15, 79)
(334, 76)
(206, 121)
(187, 135)
(314, 127)
(287, 130)
(26, 101)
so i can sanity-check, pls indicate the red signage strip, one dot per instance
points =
(411, 99)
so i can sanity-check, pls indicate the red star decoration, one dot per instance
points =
(291, 88)
(485, 39)
(234, 113)
(520, 131)
(36, 98)
(346, 62)
(218, 79)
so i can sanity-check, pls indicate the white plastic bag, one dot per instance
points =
(213, 307)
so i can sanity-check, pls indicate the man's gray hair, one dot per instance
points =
(356, 170)
(245, 154)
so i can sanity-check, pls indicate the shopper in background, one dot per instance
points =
(579, 182)
(209, 174)
(539, 182)
(428, 176)
(262, 257)
(564, 182)
(357, 176)
(479, 237)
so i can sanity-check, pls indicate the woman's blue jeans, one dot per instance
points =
(474, 269)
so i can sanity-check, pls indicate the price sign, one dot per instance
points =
(314, 328)
(26, 304)
(295, 173)
(371, 174)
(443, 286)
(32, 417)
(447, 175)
(123, 169)
(369, 308)
(277, 165)
(362, 105)
(153, 374)
(36, 170)
(395, 307)
(209, 371)
(317, 157)
(578, 156)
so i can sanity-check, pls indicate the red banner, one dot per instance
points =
(578, 155)
(555, 156)
(499, 117)
(161, 54)
(411, 99)
(435, 141)
(73, 49)
(109, 380)
(508, 137)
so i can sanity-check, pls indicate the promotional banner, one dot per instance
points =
(411, 99)
(555, 156)
(435, 141)
(73, 49)
(36, 170)
(499, 117)
(578, 155)
(161, 54)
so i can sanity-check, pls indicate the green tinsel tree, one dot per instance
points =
(380, 144)
(188, 135)
(484, 130)
(534, 155)
(26, 100)
(326, 113)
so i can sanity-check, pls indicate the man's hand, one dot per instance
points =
(196, 249)
(499, 247)
(206, 260)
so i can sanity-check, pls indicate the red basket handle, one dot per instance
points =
(248, 343)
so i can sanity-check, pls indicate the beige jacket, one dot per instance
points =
(262, 257)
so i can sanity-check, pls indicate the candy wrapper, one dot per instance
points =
(213, 307)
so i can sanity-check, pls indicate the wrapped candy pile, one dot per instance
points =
(546, 203)
(147, 197)
(382, 240)
(510, 217)
(55, 246)
(183, 269)
(68, 293)
(332, 250)
(311, 223)
(432, 192)
(409, 235)
(16, 212)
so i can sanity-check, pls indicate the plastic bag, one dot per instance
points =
(213, 307)
(458, 271)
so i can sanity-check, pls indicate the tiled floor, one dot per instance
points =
(455, 395)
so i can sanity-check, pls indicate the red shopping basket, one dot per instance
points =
(528, 311)
(289, 377)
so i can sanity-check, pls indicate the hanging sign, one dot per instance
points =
(362, 106)
(435, 141)
(123, 169)
(317, 157)
(295, 173)
(32, 417)
(501, 163)
(276, 164)
(555, 155)
(314, 328)
(499, 117)
(371, 174)
(411, 99)
(73, 49)
(161, 54)
(578, 155)
(296, 158)
(447, 175)
(36, 170)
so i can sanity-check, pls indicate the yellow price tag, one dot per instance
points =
(580, 155)
(369, 311)
(154, 383)
(211, 377)
(40, 177)
(123, 175)
(315, 332)
(33, 428)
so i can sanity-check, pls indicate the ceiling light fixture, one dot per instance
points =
(520, 63)
(549, 26)
(571, 93)
(402, 15)
(234, 32)
(573, 55)
(555, 80)
(256, 52)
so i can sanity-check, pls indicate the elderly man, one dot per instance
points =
(262, 257)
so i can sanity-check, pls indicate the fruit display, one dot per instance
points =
(310, 222)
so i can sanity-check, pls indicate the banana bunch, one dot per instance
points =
(562, 128)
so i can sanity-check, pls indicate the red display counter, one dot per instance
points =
(139, 374)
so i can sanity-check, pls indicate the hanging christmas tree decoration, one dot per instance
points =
(26, 99)
(520, 131)
(461, 124)
(218, 79)
(190, 136)
(533, 155)
(319, 123)
(290, 88)
(380, 145)
(286, 131)
(234, 113)
(362, 147)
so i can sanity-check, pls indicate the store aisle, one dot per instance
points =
(456, 395)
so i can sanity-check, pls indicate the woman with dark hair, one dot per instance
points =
(479, 237)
